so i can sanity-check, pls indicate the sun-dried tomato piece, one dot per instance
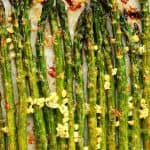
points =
(75, 7)
(52, 72)
(7, 105)
(69, 2)
(134, 14)
(116, 112)
(31, 138)
(43, 2)
(52, 68)
(124, 1)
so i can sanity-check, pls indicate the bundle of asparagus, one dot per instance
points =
(99, 101)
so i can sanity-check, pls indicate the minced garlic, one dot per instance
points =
(135, 38)
(144, 113)
(10, 30)
(114, 71)
(107, 85)
(30, 110)
(8, 40)
(131, 122)
(64, 93)
(4, 130)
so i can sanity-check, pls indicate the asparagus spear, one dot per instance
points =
(68, 74)
(101, 98)
(42, 74)
(110, 94)
(101, 95)
(137, 95)
(57, 32)
(57, 46)
(110, 88)
(69, 86)
(122, 83)
(21, 84)
(133, 43)
(92, 76)
(146, 67)
(123, 93)
(10, 128)
(78, 69)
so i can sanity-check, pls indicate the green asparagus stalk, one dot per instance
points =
(91, 79)
(101, 95)
(22, 106)
(10, 128)
(133, 44)
(69, 85)
(68, 73)
(78, 69)
(57, 46)
(57, 34)
(42, 75)
(137, 95)
(110, 94)
(123, 94)
(122, 83)
(110, 90)
(146, 69)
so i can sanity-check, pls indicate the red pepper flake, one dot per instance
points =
(118, 53)
(43, 2)
(116, 112)
(31, 138)
(89, 44)
(61, 32)
(33, 30)
(7, 105)
(52, 72)
(69, 2)
(3, 41)
(124, 1)
(75, 7)
(133, 13)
